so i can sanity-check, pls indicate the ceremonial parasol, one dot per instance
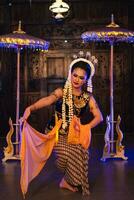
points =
(112, 34)
(19, 40)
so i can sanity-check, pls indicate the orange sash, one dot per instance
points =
(36, 148)
(81, 136)
(34, 152)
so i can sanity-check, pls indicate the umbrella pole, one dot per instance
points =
(111, 99)
(109, 150)
(17, 103)
(11, 152)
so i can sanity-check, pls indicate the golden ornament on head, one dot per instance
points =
(87, 56)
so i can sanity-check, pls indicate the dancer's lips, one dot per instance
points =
(75, 83)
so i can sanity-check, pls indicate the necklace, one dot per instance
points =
(80, 101)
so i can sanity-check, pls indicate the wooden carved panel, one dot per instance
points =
(121, 85)
(37, 65)
(55, 67)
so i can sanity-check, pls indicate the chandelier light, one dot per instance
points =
(58, 8)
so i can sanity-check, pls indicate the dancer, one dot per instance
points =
(76, 113)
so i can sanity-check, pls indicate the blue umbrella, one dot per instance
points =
(19, 40)
(112, 34)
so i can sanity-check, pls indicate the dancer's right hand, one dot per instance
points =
(27, 113)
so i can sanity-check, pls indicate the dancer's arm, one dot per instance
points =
(43, 102)
(96, 112)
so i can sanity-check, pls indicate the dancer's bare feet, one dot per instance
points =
(65, 185)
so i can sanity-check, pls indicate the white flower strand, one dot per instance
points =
(70, 102)
(67, 99)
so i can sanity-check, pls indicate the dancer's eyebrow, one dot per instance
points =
(76, 75)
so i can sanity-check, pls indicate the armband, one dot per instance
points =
(53, 93)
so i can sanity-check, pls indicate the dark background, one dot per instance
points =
(84, 15)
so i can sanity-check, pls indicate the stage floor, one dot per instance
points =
(110, 180)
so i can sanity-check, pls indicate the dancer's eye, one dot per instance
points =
(75, 75)
(81, 77)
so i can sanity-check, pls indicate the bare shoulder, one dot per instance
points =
(58, 93)
(92, 102)
(92, 99)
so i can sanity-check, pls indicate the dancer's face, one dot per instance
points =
(78, 78)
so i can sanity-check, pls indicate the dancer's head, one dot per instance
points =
(80, 74)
